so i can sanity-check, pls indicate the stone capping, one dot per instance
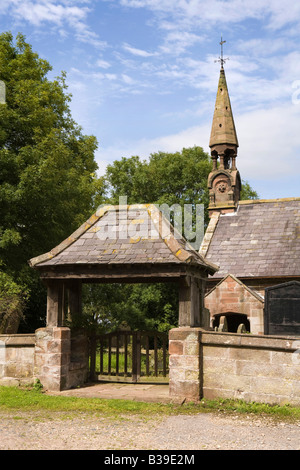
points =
(20, 340)
(275, 343)
(209, 233)
(224, 339)
(262, 201)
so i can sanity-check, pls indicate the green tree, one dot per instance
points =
(144, 307)
(168, 178)
(48, 182)
(12, 303)
(165, 178)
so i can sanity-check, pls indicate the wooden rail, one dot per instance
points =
(131, 355)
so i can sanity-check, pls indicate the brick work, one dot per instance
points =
(52, 357)
(234, 296)
(57, 365)
(184, 363)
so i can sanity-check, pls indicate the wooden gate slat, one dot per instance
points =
(147, 356)
(164, 358)
(125, 354)
(117, 343)
(101, 356)
(117, 354)
(109, 355)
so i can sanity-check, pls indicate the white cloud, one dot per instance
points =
(62, 14)
(103, 64)
(128, 80)
(37, 12)
(269, 143)
(211, 12)
(144, 147)
(176, 42)
(137, 52)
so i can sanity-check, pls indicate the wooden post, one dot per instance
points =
(190, 302)
(92, 358)
(74, 289)
(125, 354)
(195, 303)
(136, 356)
(54, 303)
(184, 302)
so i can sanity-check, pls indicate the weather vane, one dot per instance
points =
(221, 59)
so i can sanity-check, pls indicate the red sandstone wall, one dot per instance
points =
(231, 295)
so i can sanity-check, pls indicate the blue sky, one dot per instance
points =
(143, 75)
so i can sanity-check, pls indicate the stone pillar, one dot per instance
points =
(185, 364)
(222, 161)
(233, 166)
(52, 357)
(191, 302)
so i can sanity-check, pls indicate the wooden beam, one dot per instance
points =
(191, 302)
(54, 303)
(184, 302)
(74, 294)
(114, 273)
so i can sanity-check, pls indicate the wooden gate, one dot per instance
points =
(133, 356)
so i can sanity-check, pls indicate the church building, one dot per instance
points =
(255, 243)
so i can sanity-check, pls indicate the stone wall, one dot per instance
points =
(249, 367)
(17, 359)
(52, 355)
(202, 363)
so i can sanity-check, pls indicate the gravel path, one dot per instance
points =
(210, 431)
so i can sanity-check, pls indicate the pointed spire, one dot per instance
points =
(223, 128)
(224, 181)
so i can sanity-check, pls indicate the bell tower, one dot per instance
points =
(224, 181)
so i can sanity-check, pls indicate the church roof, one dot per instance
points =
(119, 235)
(261, 239)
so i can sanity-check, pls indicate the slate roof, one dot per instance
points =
(262, 239)
(123, 235)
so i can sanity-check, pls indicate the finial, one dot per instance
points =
(221, 59)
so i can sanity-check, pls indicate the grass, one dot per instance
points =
(32, 400)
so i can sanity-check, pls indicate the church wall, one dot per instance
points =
(230, 295)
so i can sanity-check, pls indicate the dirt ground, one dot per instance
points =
(83, 431)
(205, 431)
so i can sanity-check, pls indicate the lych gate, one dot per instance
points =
(117, 244)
